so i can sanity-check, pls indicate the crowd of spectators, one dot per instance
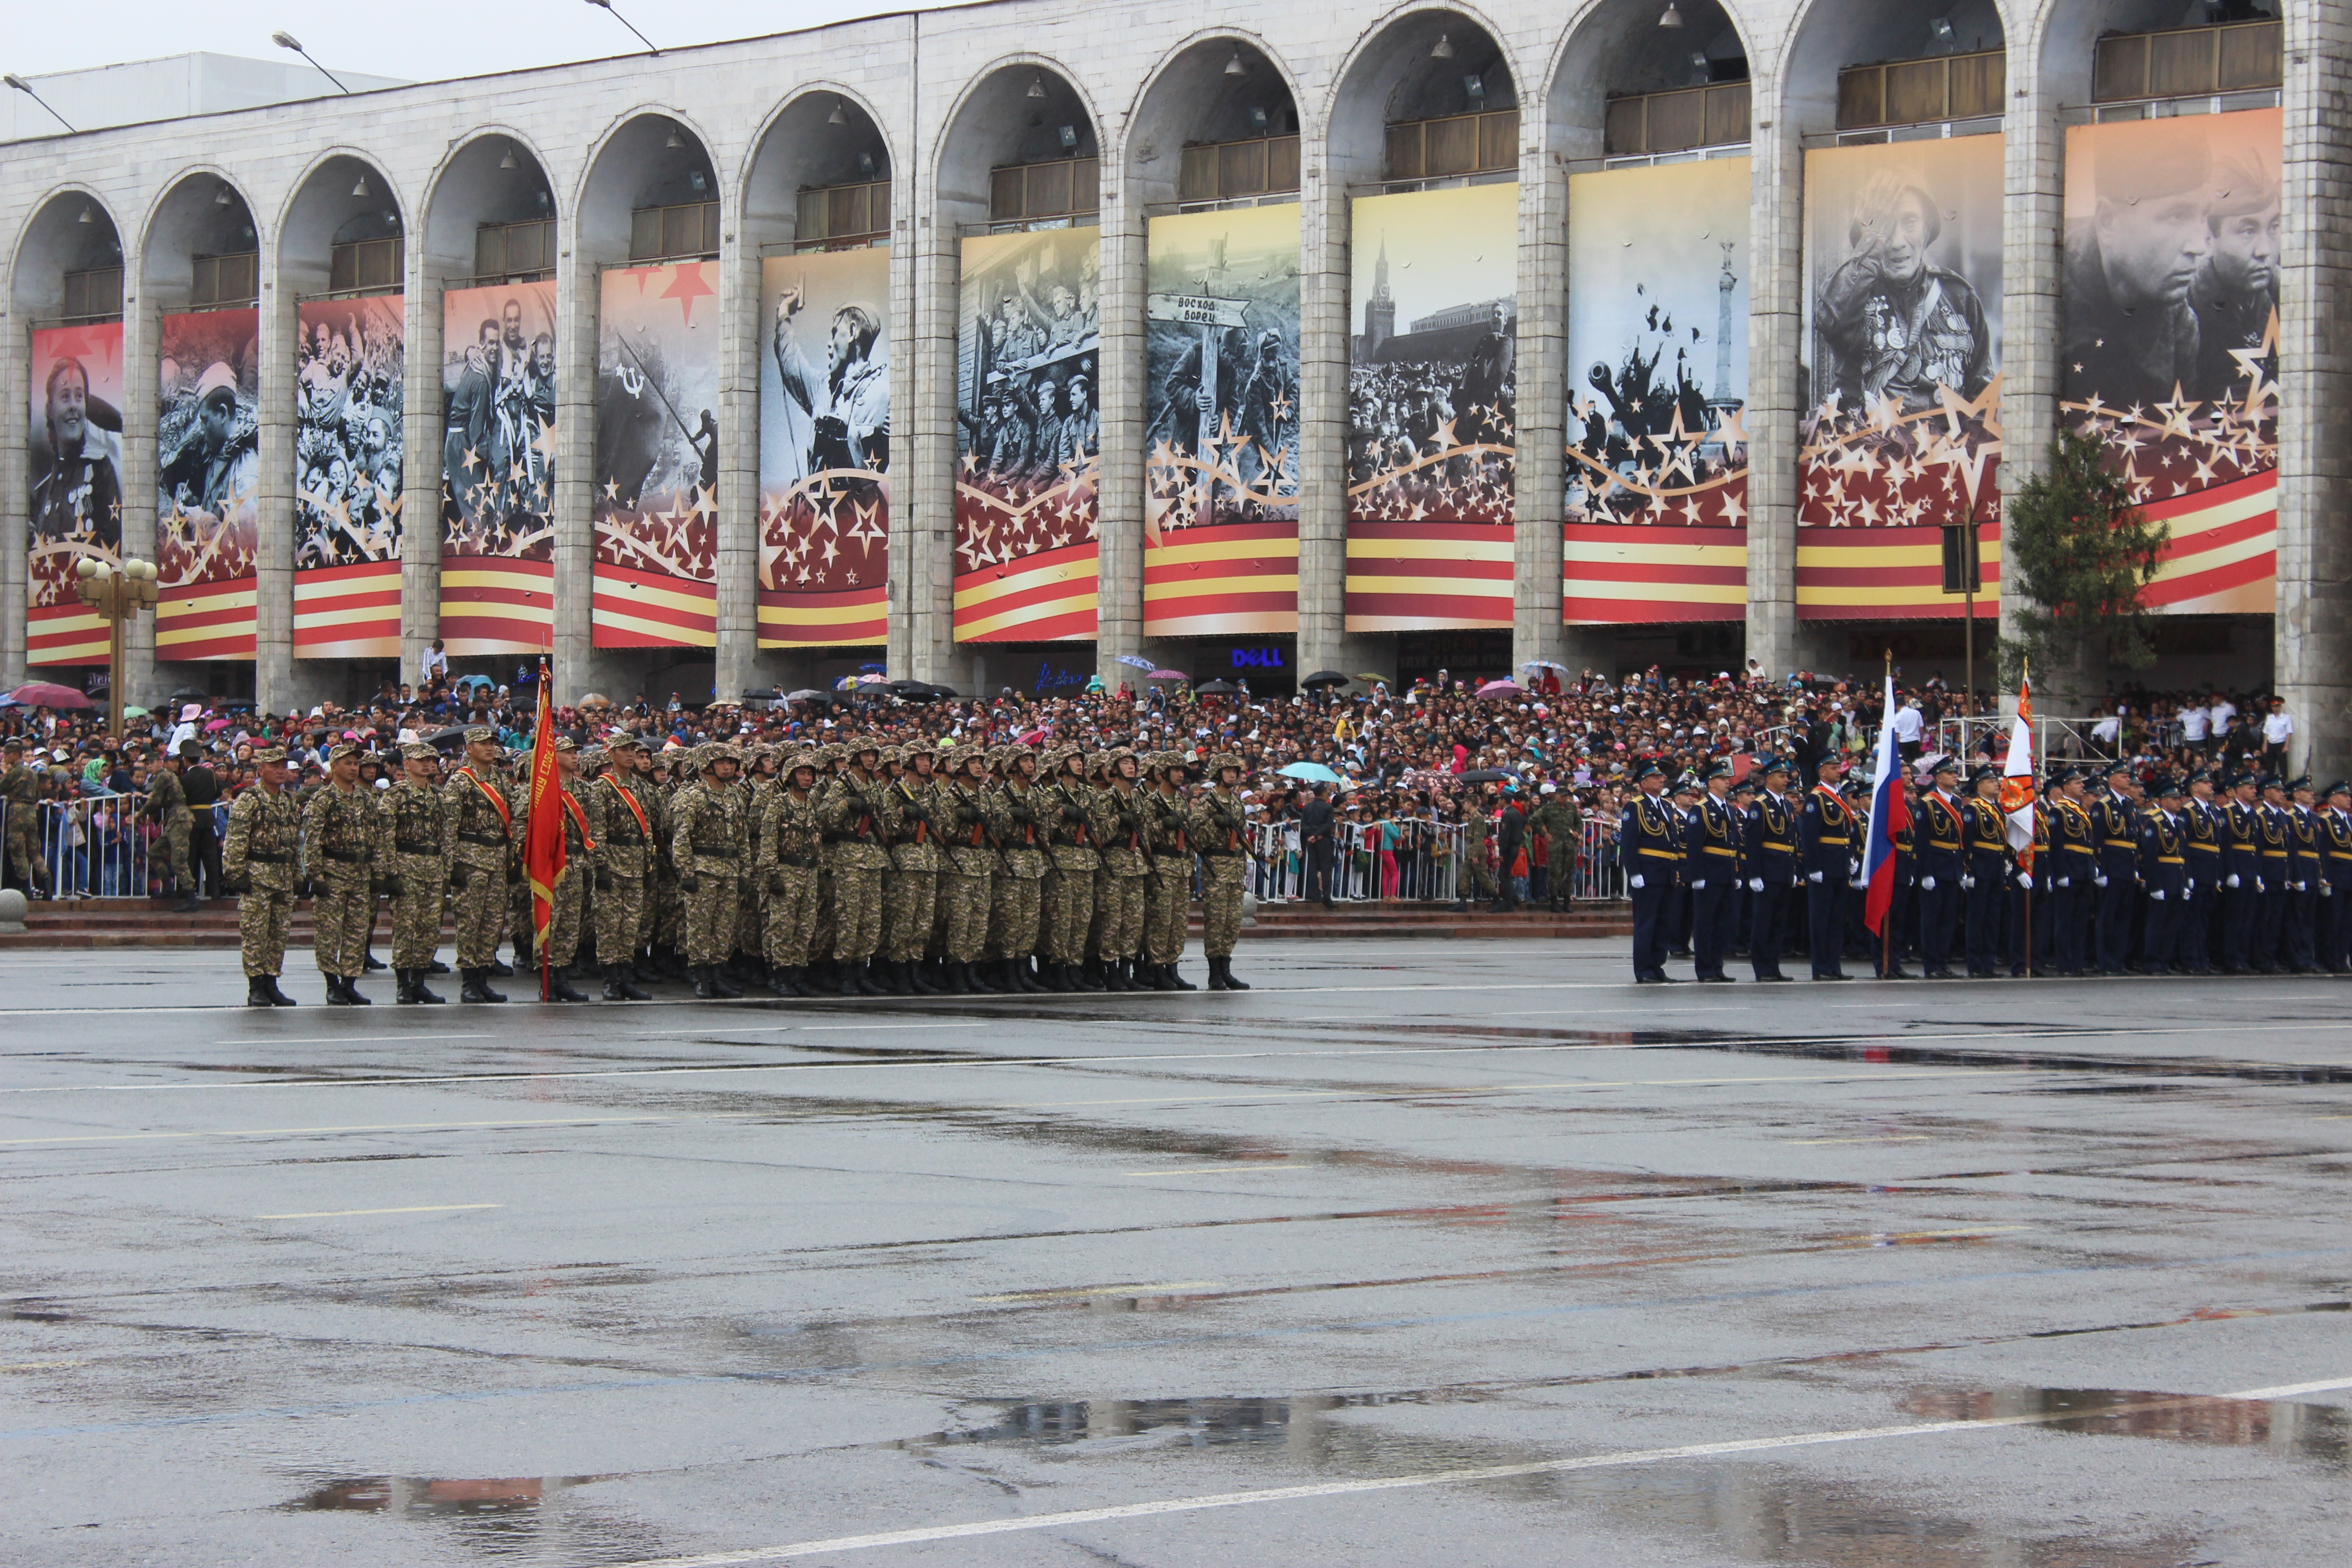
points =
(1415, 762)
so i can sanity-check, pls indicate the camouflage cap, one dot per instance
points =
(342, 749)
(592, 756)
(1225, 759)
(622, 741)
(419, 752)
(269, 754)
(481, 733)
(719, 752)
(566, 743)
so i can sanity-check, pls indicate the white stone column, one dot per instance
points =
(142, 330)
(2314, 625)
(273, 561)
(1323, 351)
(420, 442)
(1775, 330)
(2032, 267)
(738, 461)
(1540, 502)
(576, 284)
(922, 494)
(1119, 572)
(15, 500)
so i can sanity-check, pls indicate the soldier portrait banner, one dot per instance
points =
(349, 388)
(75, 488)
(2169, 353)
(207, 484)
(1656, 522)
(1028, 352)
(1432, 399)
(824, 448)
(1221, 410)
(1900, 375)
(498, 468)
(653, 492)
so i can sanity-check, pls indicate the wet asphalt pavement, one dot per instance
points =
(1963, 1274)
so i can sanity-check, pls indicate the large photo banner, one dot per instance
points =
(207, 484)
(1028, 350)
(1656, 525)
(76, 486)
(1432, 398)
(1221, 439)
(498, 468)
(350, 385)
(2170, 347)
(824, 448)
(654, 495)
(1900, 376)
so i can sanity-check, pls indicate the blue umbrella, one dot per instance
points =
(1310, 772)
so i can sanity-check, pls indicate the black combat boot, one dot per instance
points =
(187, 905)
(783, 981)
(719, 983)
(437, 967)
(404, 986)
(918, 976)
(352, 991)
(1115, 974)
(1165, 978)
(478, 987)
(560, 987)
(370, 962)
(1091, 975)
(277, 998)
(258, 991)
(959, 980)
(1233, 983)
(335, 998)
(1061, 977)
(849, 977)
(626, 976)
(418, 992)
(495, 968)
(704, 990)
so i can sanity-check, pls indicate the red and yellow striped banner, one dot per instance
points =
(1046, 597)
(65, 634)
(854, 618)
(2224, 558)
(1888, 574)
(493, 604)
(1222, 580)
(651, 609)
(206, 621)
(1632, 574)
(348, 612)
(1411, 576)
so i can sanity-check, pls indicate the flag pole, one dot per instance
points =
(1887, 921)
(2025, 678)
(545, 716)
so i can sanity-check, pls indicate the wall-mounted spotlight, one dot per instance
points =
(1036, 85)
(675, 138)
(1443, 50)
(88, 214)
(1670, 17)
(223, 197)
(358, 186)
(508, 161)
(840, 115)
(1234, 68)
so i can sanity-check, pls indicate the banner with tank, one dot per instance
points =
(1028, 352)
(75, 454)
(1221, 411)
(2169, 353)
(654, 492)
(1432, 397)
(498, 468)
(350, 385)
(824, 448)
(1899, 377)
(207, 483)
(1656, 525)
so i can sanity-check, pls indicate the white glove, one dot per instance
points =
(1635, 880)
(2025, 879)
(2299, 886)
(2187, 894)
(2099, 878)
(2326, 891)
(1928, 883)
(1967, 883)
(2233, 880)
(2259, 888)
(2157, 895)
(1756, 884)
(1698, 884)
(2063, 882)
(1813, 876)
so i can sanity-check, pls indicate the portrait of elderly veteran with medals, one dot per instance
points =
(1897, 325)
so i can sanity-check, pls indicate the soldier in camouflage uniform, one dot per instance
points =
(850, 815)
(516, 920)
(1168, 892)
(20, 793)
(708, 845)
(960, 803)
(416, 823)
(1220, 833)
(910, 896)
(750, 960)
(567, 901)
(1117, 818)
(623, 826)
(785, 871)
(1476, 822)
(258, 860)
(822, 974)
(1061, 801)
(480, 834)
(1016, 899)
(341, 831)
(669, 902)
(1562, 827)
(167, 804)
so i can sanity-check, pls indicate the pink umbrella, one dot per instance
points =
(1168, 675)
(48, 694)
(218, 724)
(1502, 689)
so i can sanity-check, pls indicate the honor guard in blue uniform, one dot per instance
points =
(2074, 856)
(1825, 843)
(1686, 793)
(1886, 951)
(2335, 952)
(2116, 873)
(1773, 868)
(2305, 875)
(1858, 939)
(2200, 825)
(2030, 911)
(1985, 874)
(2163, 873)
(2272, 833)
(2242, 874)
(1650, 847)
(1712, 870)
(1742, 917)
(1940, 870)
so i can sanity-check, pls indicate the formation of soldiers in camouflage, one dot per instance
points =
(850, 869)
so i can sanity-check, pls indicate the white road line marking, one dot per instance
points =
(1225, 1170)
(1435, 1478)
(413, 1208)
(1901, 1137)
(1104, 1290)
(344, 1039)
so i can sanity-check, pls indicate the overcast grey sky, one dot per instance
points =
(419, 39)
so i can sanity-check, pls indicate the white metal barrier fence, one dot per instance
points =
(100, 846)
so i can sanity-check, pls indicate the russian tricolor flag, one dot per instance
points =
(1890, 811)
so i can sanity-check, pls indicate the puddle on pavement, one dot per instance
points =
(2322, 1433)
(524, 1517)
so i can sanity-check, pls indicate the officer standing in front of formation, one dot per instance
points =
(1772, 871)
(1219, 833)
(1167, 891)
(1714, 875)
(850, 815)
(2335, 884)
(622, 825)
(258, 863)
(708, 845)
(1825, 847)
(480, 839)
(341, 831)
(416, 822)
(1650, 847)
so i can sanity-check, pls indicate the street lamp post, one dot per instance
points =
(118, 594)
